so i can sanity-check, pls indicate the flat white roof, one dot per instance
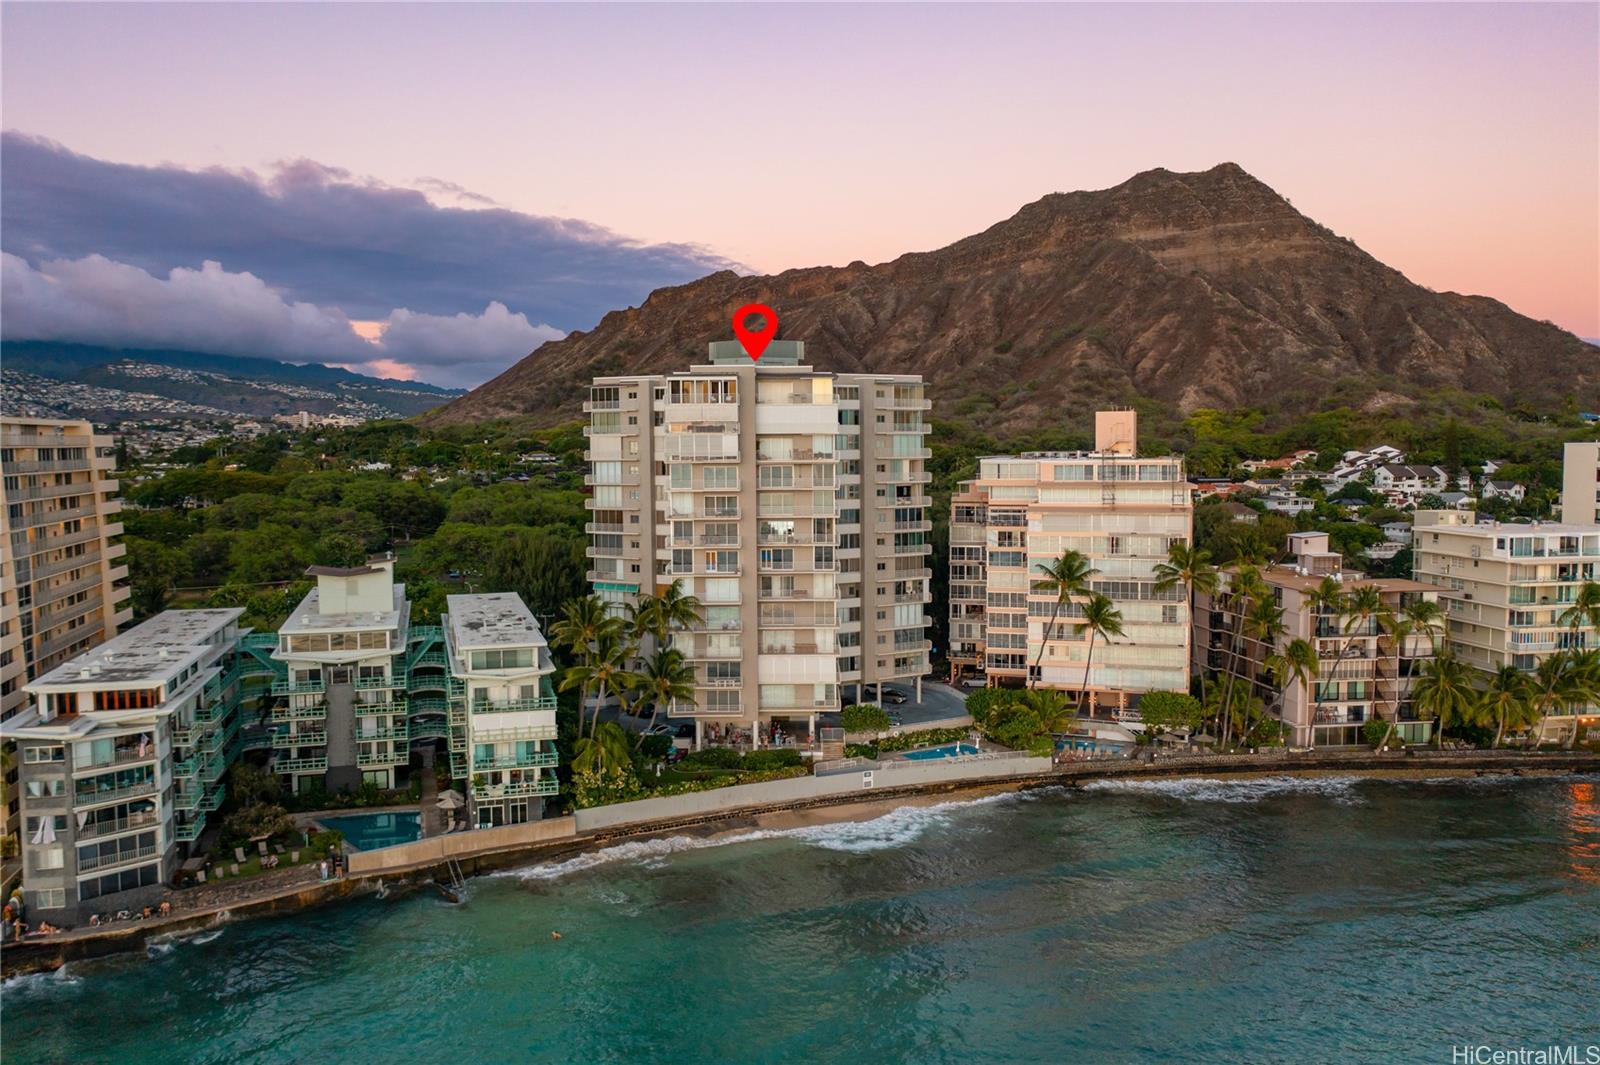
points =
(307, 618)
(147, 654)
(494, 619)
(1512, 528)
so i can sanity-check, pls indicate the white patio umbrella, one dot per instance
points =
(450, 801)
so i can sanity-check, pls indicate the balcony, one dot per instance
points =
(299, 687)
(314, 712)
(123, 756)
(286, 740)
(120, 858)
(113, 794)
(196, 799)
(397, 757)
(545, 785)
(513, 735)
(98, 829)
(514, 761)
(300, 765)
(604, 527)
(511, 706)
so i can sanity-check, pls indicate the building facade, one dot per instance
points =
(1580, 483)
(1363, 673)
(1505, 586)
(1123, 513)
(346, 681)
(63, 584)
(503, 708)
(122, 753)
(792, 504)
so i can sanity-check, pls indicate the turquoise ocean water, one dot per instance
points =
(1262, 921)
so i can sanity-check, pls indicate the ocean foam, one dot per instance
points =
(898, 827)
(1340, 789)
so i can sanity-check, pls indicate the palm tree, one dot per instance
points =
(583, 622)
(1416, 616)
(1245, 590)
(1506, 700)
(1583, 672)
(607, 750)
(603, 669)
(1583, 613)
(1191, 569)
(1055, 714)
(666, 678)
(1067, 576)
(1445, 691)
(1100, 618)
(1297, 663)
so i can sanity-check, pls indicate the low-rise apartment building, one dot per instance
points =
(1123, 512)
(1505, 587)
(1362, 674)
(122, 753)
(503, 712)
(792, 504)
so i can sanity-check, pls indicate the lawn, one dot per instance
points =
(251, 866)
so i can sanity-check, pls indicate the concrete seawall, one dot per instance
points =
(484, 850)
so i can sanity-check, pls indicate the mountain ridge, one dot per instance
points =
(1194, 289)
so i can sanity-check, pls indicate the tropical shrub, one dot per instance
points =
(773, 758)
(861, 750)
(864, 718)
(981, 703)
(712, 758)
(1374, 731)
(601, 787)
(1169, 711)
(654, 748)
(1013, 725)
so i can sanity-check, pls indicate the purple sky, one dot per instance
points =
(1458, 143)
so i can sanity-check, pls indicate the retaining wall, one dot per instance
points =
(800, 789)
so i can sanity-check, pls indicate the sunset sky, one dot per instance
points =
(628, 147)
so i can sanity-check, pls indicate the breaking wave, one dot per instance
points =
(1340, 789)
(897, 828)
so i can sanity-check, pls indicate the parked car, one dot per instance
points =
(659, 730)
(894, 698)
(684, 731)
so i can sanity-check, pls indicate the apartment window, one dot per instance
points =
(46, 788)
(35, 755)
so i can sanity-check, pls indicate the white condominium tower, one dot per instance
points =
(792, 504)
(1122, 511)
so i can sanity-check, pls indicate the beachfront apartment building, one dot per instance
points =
(1123, 512)
(1505, 587)
(1580, 483)
(63, 584)
(122, 752)
(345, 684)
(503, 708)
(1363, 672)
(793, 504)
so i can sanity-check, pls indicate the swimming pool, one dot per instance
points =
(952, 750)
(368, 832)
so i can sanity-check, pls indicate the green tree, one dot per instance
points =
(604, 669)
(1583, 613)
(1298, 664)
(1416, 617)
(1164, 711)
(864, 717)
(584, 622)
(665, 678)
(1506, 701)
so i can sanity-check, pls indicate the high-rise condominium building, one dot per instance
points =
(792, 503)
(1580, 483)
(1506, 588)
(122, 754)
(1122, 512)
(1363, 673)
(63, 585)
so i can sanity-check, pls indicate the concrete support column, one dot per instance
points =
(919, 689)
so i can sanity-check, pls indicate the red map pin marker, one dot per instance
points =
(755, 341)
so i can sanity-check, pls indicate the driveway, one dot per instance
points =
(940, 702)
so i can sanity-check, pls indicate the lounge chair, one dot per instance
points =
(278, 847)
(261, 845)
(238, 853)
(199, 876)
(234, 869)
(294, 857)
